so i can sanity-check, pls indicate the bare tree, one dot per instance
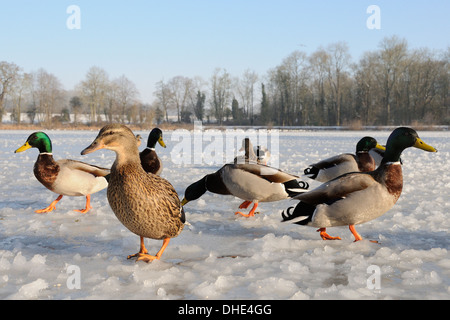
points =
(220, 93)
(245, 87)
(8, 73)
(93, 91)
(318, 62)
(182, 89)
(164, 96)
(20, 90)
(338, 63)
(47, 93)
(125, 95)
(392, 57)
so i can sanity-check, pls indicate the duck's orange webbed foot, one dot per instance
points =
(325, 236)
(357, 235)
(51, 207)
(88, 205)
(251, 213)
(143, 252)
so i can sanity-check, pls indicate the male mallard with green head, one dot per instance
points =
(145, 203)
(149, 159)
(333, 167)
(250, 182)
(357, 197)
(64, 177)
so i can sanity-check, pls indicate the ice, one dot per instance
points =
(220, 255)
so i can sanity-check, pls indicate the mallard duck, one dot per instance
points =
(252, 154)
(357, 197)
(262, 154)
(250, 182)
(138, 140)
(144, 203)
(64, 177)
(149, 159)
(249, 155)
(333, 167)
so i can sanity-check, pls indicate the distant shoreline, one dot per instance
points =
(190, 127)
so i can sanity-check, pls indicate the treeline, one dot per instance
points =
(392, 85)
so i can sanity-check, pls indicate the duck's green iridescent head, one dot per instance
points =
(368, 143)
(38, 140)
(402, 138)
(154, 137)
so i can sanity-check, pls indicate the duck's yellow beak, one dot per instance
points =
(379, 146)
(183, 202)
(26, 146)
(422, 145)
(161, 142)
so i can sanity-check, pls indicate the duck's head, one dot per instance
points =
(194, 191)
(400, 139)
(155, 136)
(115, 137)
(246, 145)
(38, 140)
(138, 139)
(368, 143)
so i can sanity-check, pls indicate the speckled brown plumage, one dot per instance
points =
(144, 203)
(138, 203)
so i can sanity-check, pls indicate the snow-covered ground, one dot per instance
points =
(68, 255)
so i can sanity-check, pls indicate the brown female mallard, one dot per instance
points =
(145, 203)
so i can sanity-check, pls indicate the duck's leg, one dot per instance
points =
(325, 236)
(148, 258)
(355, 234)
(51, 206)
(251, 213)
(245, 204)
(142, 250)
(88, 205)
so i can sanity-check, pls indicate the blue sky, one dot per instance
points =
(152, 40)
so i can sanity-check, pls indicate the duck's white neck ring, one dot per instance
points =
(390, 163)
(153, 149)
(46, 153)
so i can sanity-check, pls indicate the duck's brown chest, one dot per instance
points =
(393, 179)
(46, 170)
(365, 162)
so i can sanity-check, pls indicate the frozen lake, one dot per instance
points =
(220, 255)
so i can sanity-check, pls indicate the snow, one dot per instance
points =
(68, 255)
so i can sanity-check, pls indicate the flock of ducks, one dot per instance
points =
(356, 187)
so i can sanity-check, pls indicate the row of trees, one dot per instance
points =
(388, 86)
(41, 95)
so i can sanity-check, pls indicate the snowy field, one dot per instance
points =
(68, 255)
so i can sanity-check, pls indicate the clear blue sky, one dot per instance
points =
(152, 40)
